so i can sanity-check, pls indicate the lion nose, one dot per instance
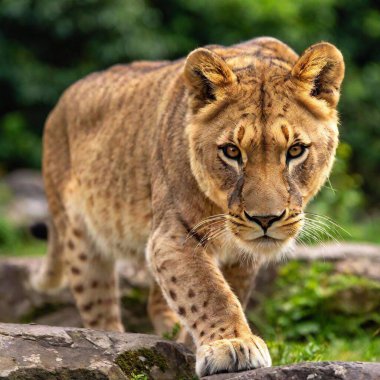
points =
(264, 221)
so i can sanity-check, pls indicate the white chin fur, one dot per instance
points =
(271, 251)
(232, 249)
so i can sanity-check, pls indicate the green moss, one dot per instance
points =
(135, 298)
(140, 362)
(45, 309)
(173, 334)
(139, 376)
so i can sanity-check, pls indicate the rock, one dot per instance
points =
(27, 204)
(337, 251)
(31, 352)
(308, 371)
(363, 267)
(18, 301)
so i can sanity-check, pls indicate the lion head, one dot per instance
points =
(262, 130)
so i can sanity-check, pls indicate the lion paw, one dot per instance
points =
(232, 355)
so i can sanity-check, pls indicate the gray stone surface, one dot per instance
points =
(18, 301)
(309, 371)
(36, 352)
(27, 202)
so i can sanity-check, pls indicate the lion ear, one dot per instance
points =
(207, 76)
(319, 73)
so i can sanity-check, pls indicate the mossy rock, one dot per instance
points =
(141, 361)
(145, 363)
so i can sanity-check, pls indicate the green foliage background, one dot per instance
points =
(314, 313)
(47, 45)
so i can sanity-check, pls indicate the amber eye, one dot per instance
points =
(295, 151)
(231, 151)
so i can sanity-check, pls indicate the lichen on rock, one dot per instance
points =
(141, 361)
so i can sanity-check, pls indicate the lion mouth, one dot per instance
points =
(265, 239)
(272, 240)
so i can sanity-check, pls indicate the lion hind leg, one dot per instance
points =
(50, 276)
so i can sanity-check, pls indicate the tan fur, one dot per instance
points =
(134, 164)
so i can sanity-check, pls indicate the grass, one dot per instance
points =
(364, 348)
(356, 349)
(314, 314)
(29, 247)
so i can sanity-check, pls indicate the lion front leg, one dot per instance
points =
(196, 290)
(241, 276)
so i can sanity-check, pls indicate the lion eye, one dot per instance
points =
(231, 151)
(295, 151)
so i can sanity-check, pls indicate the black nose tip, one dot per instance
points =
(264, 221)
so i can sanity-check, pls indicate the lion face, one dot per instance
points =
(263, 142)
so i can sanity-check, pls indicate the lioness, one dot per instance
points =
(205, 165)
